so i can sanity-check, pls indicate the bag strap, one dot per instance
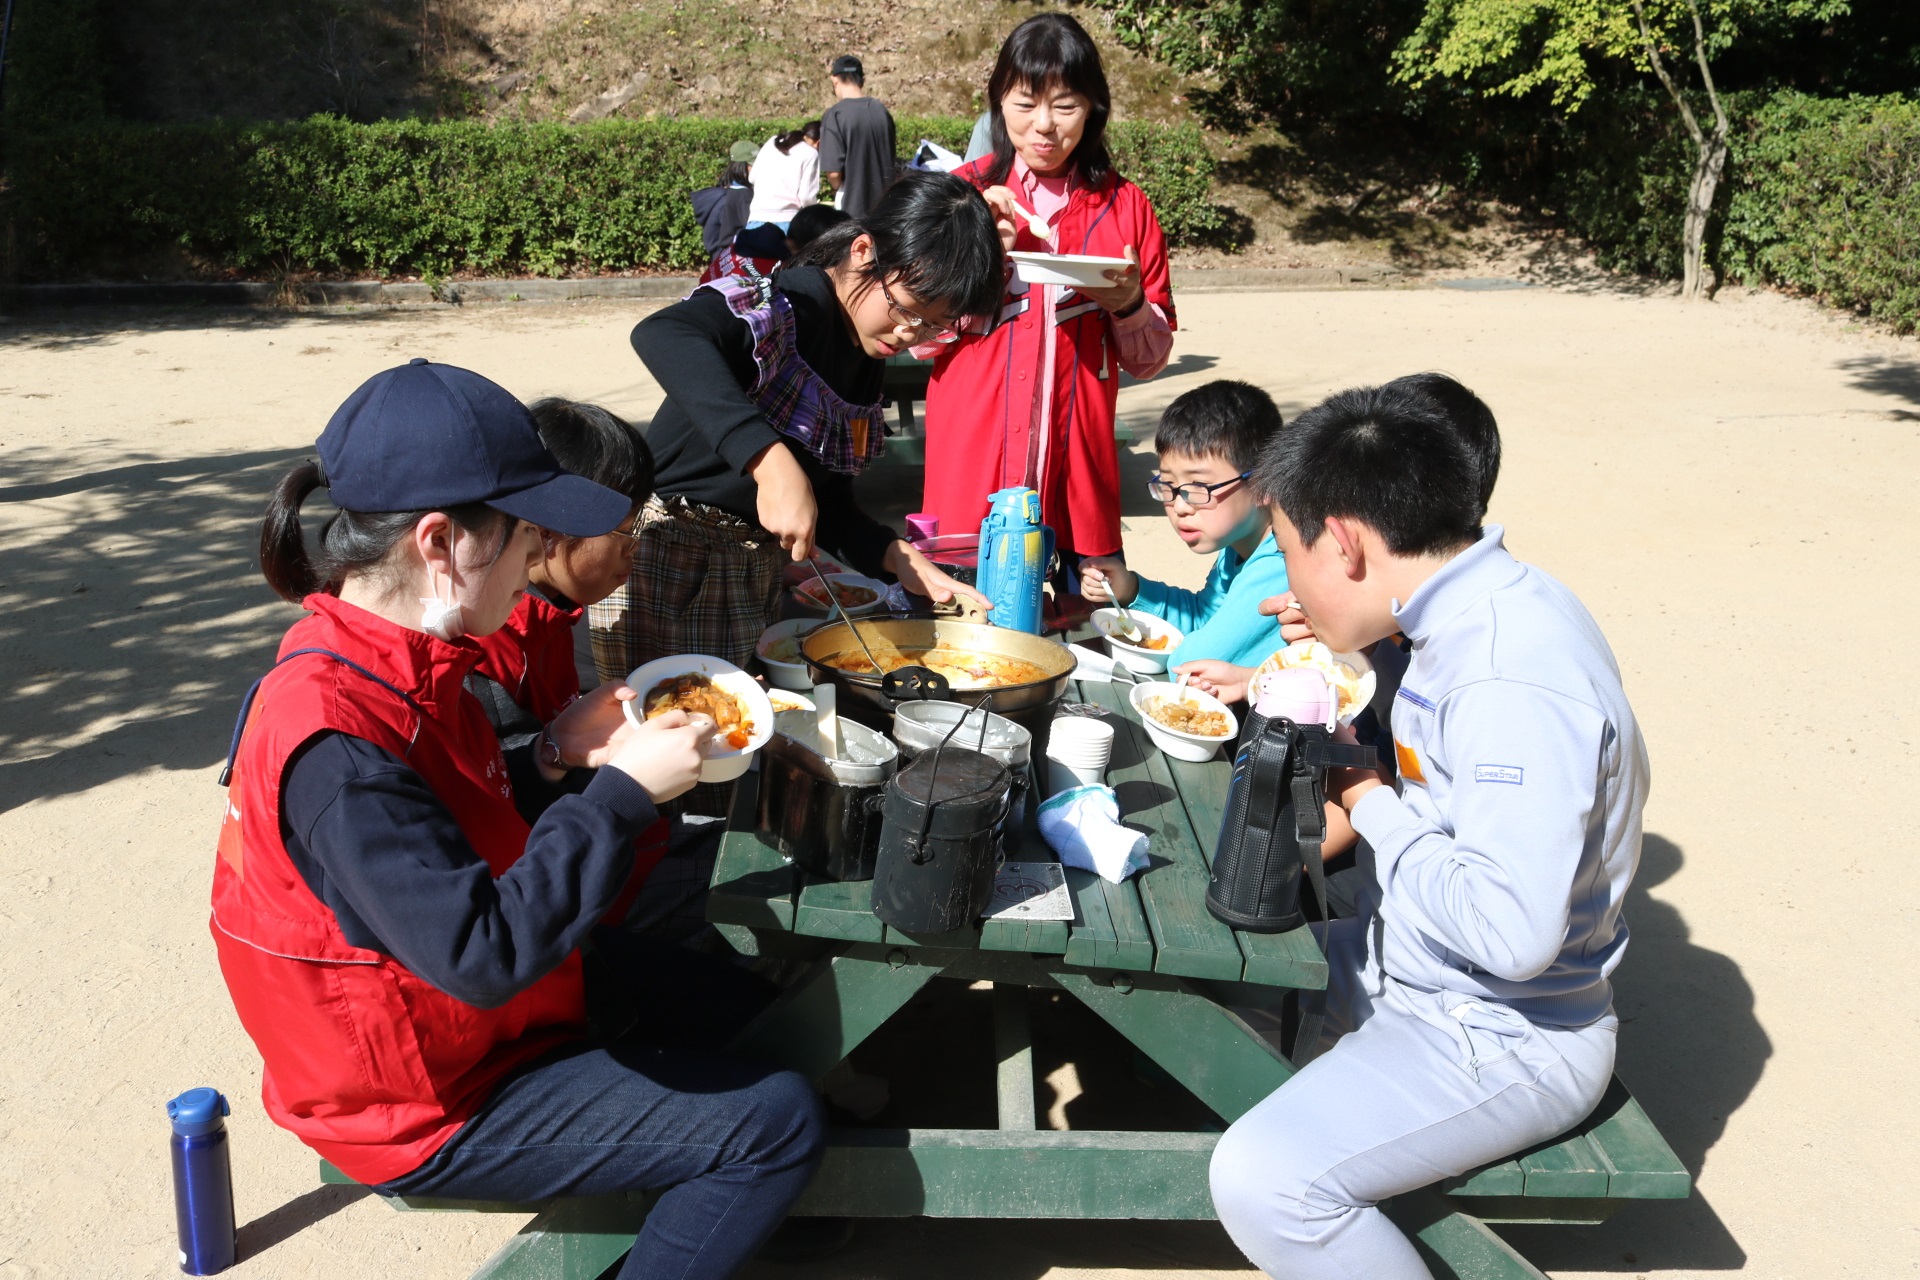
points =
(1310, 760)
(246, 703)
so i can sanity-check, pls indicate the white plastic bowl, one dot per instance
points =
(787, 700)
(724, 763)
(786, 675)
(1075, 269)
(1140, 661)
(841, 581)
(1179, 745)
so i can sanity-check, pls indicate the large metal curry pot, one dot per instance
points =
(1029, 705)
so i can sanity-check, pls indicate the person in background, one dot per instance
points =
(399, 905)
(857, 143)
(757, 251)
(785, 176)
(754, 253)
(980, 141)
(1027, 399)
(810, 224)
(722, 208)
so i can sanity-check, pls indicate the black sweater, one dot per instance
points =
(377, 846)
(708, 430)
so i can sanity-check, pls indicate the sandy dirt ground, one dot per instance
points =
(1728, 486)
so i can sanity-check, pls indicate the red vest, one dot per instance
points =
(531, 657)
(366, 1062)
(1032, 402)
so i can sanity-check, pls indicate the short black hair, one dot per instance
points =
(932, 232)
(589, 441)
(811, 223)
(1225, 418)
(1470, 414)
(1389, 457)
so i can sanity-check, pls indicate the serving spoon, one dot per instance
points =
(846, 617)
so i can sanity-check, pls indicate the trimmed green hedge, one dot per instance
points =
(437, 198)
(1821, 196)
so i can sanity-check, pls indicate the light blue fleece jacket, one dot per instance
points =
(1500, 865)
(1223, 619)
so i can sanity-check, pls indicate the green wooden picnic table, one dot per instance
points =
(1147, 958)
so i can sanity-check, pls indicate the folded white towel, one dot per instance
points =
(1082, 825)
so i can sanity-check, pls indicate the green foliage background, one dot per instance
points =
(1823, 197)
(437, 198)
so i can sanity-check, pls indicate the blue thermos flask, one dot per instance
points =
(1015, 549)
(202, 1181)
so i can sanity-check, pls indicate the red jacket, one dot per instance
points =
(1032, 401)
(531, 657)
(366, 1062)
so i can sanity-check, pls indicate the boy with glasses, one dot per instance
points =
(1208, 441)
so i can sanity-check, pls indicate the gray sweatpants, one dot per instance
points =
(1415, 1087)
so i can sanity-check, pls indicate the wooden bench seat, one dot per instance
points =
(1580, 1178)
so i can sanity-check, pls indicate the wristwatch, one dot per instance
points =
(549, 752)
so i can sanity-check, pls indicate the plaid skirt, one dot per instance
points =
(703, 581)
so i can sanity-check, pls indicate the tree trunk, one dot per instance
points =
(1708, 165)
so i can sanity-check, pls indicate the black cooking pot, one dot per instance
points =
(863, 697)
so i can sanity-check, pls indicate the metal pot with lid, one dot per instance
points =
(939, 840)
(822, 809)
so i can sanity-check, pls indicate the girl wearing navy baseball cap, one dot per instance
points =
(399, 905)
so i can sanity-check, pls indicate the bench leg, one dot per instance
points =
(1455, 1245)
(573, 1240)
(834, 1006)
(1202, 1045)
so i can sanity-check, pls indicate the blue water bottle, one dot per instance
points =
(202, 1181)
(1015, 549)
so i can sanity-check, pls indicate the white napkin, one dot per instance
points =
(1082, 825)
(1089, 665)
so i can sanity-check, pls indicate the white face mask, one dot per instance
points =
(442, 617)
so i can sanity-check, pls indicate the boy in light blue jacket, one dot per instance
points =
(1470, 1011)
(1208, 441)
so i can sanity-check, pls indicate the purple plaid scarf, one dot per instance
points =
(796, 401)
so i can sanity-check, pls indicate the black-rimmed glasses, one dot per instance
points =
(904, 321)
(1196, 496)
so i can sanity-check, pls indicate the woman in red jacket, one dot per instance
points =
(398, 904)
(1030, 401)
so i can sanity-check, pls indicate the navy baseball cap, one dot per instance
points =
(427, 436)
(847, 67)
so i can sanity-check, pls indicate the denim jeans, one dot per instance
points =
(736, 1141)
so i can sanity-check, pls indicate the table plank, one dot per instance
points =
(1187, 941)
(1291, 959)
(1112, 930)
(752, 884)
(1571, 1168)
(841, 910)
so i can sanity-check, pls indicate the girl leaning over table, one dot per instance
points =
(773, 406)
(1029, 399)
(398, 904)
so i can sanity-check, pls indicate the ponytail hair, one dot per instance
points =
(810, 131)
(933, 234)
(1045, 54)
(349, 542)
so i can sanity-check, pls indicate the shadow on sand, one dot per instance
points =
(1692, 1051)
(132, 616)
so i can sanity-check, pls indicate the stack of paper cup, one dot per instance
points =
(1078, 751)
